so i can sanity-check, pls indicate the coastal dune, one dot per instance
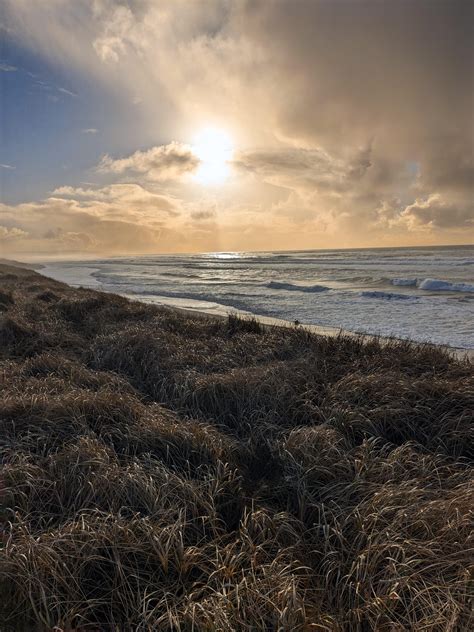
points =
(164, 470)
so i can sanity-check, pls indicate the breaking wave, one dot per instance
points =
(434, 285)
(291, 287)
(445, 286)
(404, 282)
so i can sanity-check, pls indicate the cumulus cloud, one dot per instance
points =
(436, 212)
(63, 226)
(115, 218)
(119, 191)
(121, 201)
(11, 234)
(119, 218)
(165, 162)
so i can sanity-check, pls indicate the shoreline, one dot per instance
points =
(343, 314)
(460, 353)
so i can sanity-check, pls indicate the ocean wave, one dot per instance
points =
(183, 275)
(404, 282)
(291, 287)
(438, 285)
(433, 285)
(391, 296)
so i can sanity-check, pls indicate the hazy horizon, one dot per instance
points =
(84, 257)
(145, 127)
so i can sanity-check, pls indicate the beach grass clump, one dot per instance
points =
(168, 471)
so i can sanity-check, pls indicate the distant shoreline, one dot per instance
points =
(400, 293)
(269, 321)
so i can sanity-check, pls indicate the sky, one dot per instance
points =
(148, 126)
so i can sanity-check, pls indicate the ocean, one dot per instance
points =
(425, 294)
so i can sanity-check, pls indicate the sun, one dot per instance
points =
(214, 148)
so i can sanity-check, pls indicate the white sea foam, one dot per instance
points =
(433, 285)
(440, 285)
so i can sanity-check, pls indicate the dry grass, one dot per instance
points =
(168, 472)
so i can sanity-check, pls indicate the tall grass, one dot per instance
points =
(168, 472)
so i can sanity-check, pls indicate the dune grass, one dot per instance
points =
(167, 472)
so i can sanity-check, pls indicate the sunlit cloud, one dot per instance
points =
(117, 218)
(325, 117)
(438, 212)
(165, 162)
(11, 234)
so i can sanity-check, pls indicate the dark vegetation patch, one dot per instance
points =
(6, 299)
(47, 296)
(161, 471)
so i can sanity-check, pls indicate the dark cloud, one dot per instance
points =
(203, 215)
(394, 77)
(313, 169)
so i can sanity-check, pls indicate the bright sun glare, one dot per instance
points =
(214, 149)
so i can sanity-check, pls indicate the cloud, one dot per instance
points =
(10, 234)
(72, 241)
(89, 130)
(111, 43)
(113, 219)
(300, 168)
(68, 92)
(166, 162)
(436, 212)
(121, 201)
(4, 166)
(4, 67)
(203, 215)
(353, 119)
(53, 92)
